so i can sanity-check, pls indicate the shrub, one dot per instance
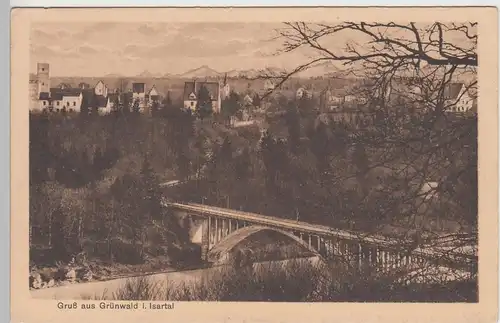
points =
(293, 281)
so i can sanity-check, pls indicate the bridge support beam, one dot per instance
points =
(205, 238)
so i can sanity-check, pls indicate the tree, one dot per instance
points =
(135, 106)
(256, 100)
(126, 103)
(412, 65)
(155, 108)
(242, 165)
(58, 237)
(293, 123)
(115, 101)
(204, 103)
(231, 104)
(152, 197)
(39, 148)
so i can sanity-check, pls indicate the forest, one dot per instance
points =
(94, 180)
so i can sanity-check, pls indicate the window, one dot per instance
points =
(74, 103)
(67, 103)
(44, 102)
(57, 103)
(71, 110)
(43, 83)
(43, 69)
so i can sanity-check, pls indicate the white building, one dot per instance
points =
(350, 98)
(303, 93)
(72, 101)
(458, 98)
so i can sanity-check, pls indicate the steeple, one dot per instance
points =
(225, 79)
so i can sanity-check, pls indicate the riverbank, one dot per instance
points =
(47, 277)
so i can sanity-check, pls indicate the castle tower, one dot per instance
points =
(43, 77)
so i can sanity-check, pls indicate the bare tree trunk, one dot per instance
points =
(50, 230)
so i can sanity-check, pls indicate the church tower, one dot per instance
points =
(43, 77)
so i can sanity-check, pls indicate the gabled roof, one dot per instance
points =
(138, 87)
(71, 92)
(44, 96)
(56, 94)
(153, 88)
(452, 91)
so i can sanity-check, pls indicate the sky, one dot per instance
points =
(96, 49)
(131, 48)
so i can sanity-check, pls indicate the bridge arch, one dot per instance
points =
(226, 245)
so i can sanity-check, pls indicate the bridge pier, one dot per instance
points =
(205, 238)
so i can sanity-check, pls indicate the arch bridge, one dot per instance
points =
(222, 229)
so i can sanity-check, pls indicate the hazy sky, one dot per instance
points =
(131, 48)
(97, 49)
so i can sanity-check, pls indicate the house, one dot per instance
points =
(459, 98)
(61, 100)
(71, 100)
(226, 89)
(44, 101)
(139, 94)
(248, 100)
(349, 98)
(191, 90)
(63, 86)
(101, 89)
(330, 100)
(152, 96)
(303, 93)
(39, 83)
(33, 87)
(84, 86)
(56, 97)
(113, 99)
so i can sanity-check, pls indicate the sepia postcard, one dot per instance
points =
(254, 164)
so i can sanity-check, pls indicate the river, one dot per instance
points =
(97, 289)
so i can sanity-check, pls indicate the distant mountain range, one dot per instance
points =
(202, 71)
(206, 71)
(325, 69)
